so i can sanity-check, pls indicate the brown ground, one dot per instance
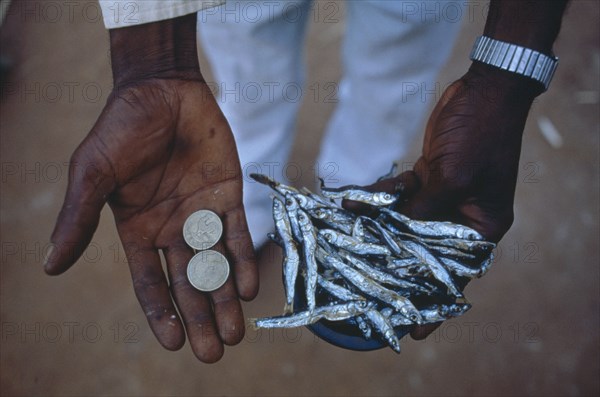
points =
(534, 328)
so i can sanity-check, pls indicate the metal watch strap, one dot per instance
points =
(515, 59)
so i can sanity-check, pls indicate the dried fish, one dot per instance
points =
(351, 244)
(437, 269)
(292, 207)
(372, 288)
(434, 229)
(385, 328)
(309, 248)
(291, 259)
(384, 234)
(434, 314)
(338, 312)
(334, 219)
(356, 193)
(391, 173)
(277, 186)
(383, 277)
(358, 230)
(344, 294)
(372, 273)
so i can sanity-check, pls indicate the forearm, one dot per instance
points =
(164, 49)
(531, 24)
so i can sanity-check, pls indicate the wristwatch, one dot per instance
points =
(515, 59)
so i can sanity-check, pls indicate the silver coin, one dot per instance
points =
(202, 229)
(208, 270)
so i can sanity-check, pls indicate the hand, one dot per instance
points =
(161, 150)
(468, 168)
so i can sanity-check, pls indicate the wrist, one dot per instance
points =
(495, 83)
(164, 49)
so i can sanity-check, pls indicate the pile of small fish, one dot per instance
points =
(379, 272)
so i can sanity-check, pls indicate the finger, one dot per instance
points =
(240, 252)
(194, 306)
(227, 308)
(89, 185)
(228, 313)
(152, 291)
(406, 184)
(423, 331)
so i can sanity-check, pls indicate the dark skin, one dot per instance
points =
(463, 175)
(467, 171)
(161, 149)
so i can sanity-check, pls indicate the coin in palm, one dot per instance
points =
(208, 270)
(202, 229)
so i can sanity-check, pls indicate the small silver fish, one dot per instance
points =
(358, 230)
(372, 288)
(383, 277)
(329, 217)
(485, 265)
(472, 247)
(387, 311)
(337, 290)
(363, 326)
(344, 294)
(292, 207)
(434, 314)
(434, 229)
(277, 186)
(309, 247)
(387, 237)
(337, 312)
(385, 328)
(412, 271)
(391, 173)
(396, 263)
(353, 245)
(453, 310)
(358, 193)
(291, 259)
(275, 238)
(323, 202)
(435, 266)
(376, 199)
(459, 269)
(451, 253)
(307, 202)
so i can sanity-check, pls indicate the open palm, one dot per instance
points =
(161, 150)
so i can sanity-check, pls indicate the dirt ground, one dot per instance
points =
(534, 326)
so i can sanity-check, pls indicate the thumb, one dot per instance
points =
(429, 202)
(407, 183)
(90, 182)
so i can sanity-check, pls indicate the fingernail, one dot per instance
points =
(49, 255)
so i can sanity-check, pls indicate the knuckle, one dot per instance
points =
(200, 318)
(145, 281)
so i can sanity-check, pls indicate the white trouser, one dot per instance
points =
(392, 53)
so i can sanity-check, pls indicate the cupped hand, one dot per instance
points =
(161, 150)
(468, 168)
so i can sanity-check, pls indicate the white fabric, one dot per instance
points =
(392, 53)
(123, 13)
